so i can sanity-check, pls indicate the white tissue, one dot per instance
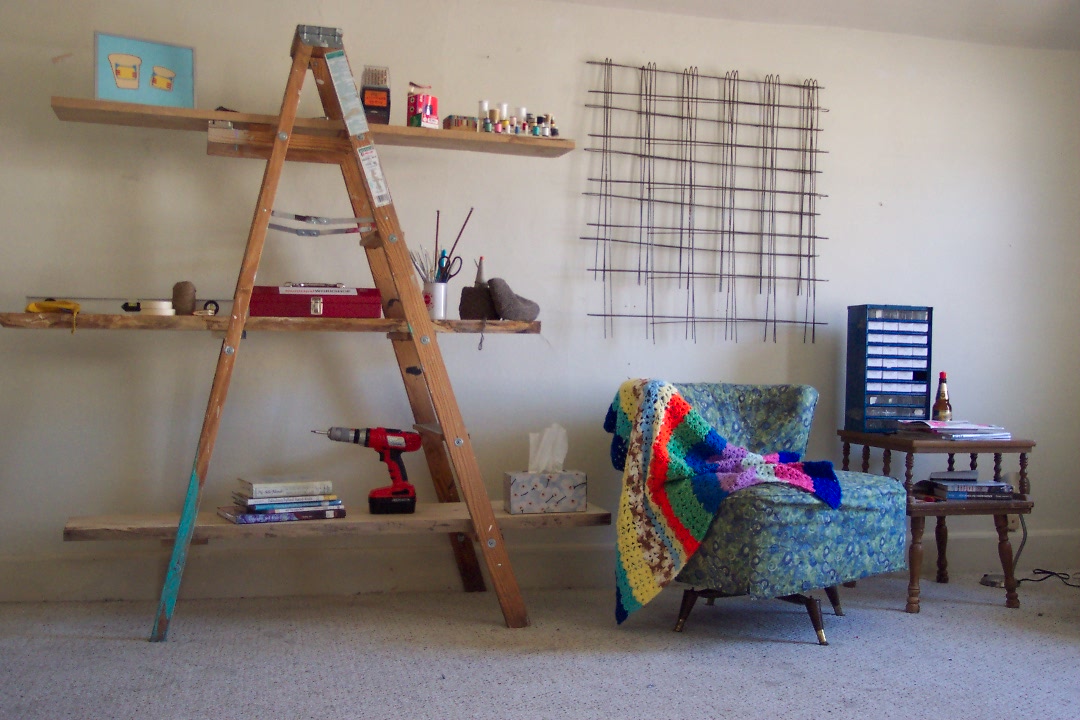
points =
(547, 449)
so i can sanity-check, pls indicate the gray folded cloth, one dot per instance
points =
(509, 305)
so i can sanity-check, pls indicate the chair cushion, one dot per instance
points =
(771, 540)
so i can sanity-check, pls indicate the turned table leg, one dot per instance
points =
(941, 535)
(1001, 522)
(915, 563)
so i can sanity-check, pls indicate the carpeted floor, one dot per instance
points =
(449, 656)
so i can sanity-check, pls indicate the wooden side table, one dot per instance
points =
(913, 443)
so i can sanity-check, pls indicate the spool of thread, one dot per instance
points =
(183, 297)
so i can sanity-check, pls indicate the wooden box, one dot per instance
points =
(314, 301)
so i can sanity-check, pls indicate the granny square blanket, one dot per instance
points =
(676, 471)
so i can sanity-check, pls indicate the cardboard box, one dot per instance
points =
(423, 111)
(316, 301)
(526, 492)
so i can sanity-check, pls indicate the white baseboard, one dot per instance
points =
(136, 571)
(129, 572)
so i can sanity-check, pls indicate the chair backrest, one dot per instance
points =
(761, 418)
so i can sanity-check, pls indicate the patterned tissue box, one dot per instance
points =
(527, 492)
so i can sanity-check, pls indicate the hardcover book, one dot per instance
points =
(963, 495)
(285, 487)
(288, 507)
(970, 487)
(242, 498)
(235, 515)
(966, 475)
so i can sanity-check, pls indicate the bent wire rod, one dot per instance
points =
(676, 179)
(361, 224)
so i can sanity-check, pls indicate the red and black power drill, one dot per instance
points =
(390, 443)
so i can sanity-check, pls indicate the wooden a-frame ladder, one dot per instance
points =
(448, 450)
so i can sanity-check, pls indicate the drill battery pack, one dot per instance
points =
(396, 499)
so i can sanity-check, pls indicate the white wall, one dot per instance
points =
(952, 180)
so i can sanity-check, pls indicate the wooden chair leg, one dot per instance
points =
(834, 599)
(813, 607)
(688, 599)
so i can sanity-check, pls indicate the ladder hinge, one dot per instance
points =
(319, 36)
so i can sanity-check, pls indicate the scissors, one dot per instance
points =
(449, 268)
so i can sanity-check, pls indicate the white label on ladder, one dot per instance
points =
(380, 191)
(345, 87)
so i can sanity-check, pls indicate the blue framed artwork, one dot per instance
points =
(140, 71)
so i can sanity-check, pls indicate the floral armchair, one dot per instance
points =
(773, 540)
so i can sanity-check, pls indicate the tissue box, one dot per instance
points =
(527, 492)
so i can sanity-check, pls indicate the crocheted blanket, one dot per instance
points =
(676, 471)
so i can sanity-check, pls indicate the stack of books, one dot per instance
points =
(960, 430)
(283, 500)
(965, 485)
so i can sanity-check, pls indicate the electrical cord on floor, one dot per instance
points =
(1063, 577)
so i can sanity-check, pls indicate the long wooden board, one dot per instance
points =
(107, 112)
(105, 321)
(429, 517)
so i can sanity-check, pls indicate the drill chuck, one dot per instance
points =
(396, 439)
(349, 435)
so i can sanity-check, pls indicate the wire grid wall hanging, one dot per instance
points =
(705, 200)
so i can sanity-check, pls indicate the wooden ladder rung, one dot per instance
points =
(430, 429)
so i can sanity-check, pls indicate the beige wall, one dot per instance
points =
(952, 180)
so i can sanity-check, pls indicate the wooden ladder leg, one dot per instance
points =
(401, 297)
(438, 461)
(231, 344)
(416, 388)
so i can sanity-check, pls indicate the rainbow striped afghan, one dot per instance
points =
(676, 471)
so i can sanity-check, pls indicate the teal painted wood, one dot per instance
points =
(184, 531)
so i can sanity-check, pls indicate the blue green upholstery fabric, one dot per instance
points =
(772, 539)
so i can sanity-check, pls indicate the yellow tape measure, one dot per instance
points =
(56, 306)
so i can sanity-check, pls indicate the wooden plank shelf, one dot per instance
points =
(107, 112)
(438, 518)
(1018, 505)
(135, 321)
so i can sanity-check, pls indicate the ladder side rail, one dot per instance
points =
(230, 345)
(423, 339)
(416, 389)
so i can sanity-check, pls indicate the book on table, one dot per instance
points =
(955, 476)
(959, 430)
(996, 495)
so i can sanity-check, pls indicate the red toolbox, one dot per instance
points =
(310, 300)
